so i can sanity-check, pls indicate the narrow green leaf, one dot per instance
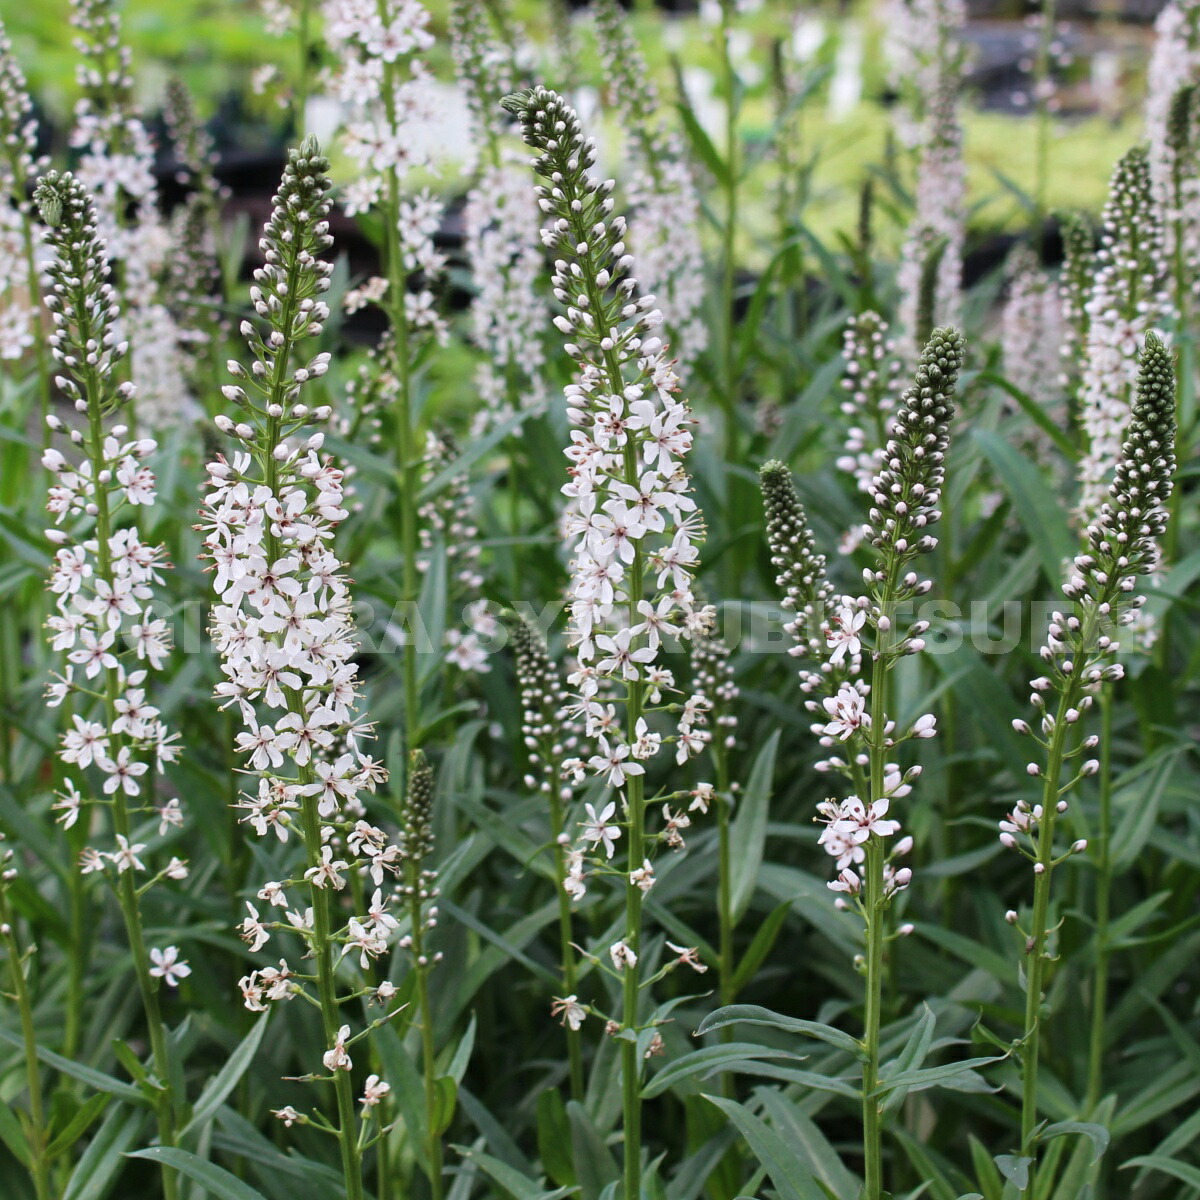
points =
(791, 1179)
(761, 945)
(1096, 1134)
(445, 1099)
(96, 1171)
(799, 1131)
(227, 1078)
(748, 832)
(1184, 1172)
(752, 1014)
(712, 1060)
(554, 1138)
(216, 1181)
(1035, 504)
(96, 1080)
(1034, 412)
(594, 1163)
(85, 1114)
(512, 1181)
(12, 1135)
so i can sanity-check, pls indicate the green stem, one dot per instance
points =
(302, 83)
(726, 966)
(729, 380)
(1104, 876)
(566, 939)
(433, 1140)
(873, 905)
(1041, 77)
(1036, 945)
(41, 350)
(407, 437)
(8, 688)
(37, 1141)
(126, 887)
(322, 951)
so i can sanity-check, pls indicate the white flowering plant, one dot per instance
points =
(513, 675)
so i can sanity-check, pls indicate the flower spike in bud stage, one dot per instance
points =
(1127, 300)
(838, 638)
(794, 554)
(1078, 659)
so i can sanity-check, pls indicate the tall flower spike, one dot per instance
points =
(850, 710)
(1121, 545)
(1031, 331)
(806, 588)
(19, 163)
(550, 735)
(1174, 64)
(664, 201)
(500, 223)
(284, 629)
(872, 371)
(1127, 300)
(1075, 283)
(105, 622)
(635, 526)
(117, 163)
(936, 233)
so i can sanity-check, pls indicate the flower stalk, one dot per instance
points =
(635, 553)
(1079, 654)
(102, 578)
(36, 1130)
(284, 628)
(852, 711)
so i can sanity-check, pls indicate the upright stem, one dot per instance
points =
(406, 440)
(1104, 873)
(725, 965)
(433, 1139)
(872, 1128)
(41, 350)
(873, 885)
(322, 951)
(322, 947)
(566, 939)
(630, 1055)
(39, 1164)
(1041, 79)
(299, 116)
(1035, 948)
(729, 379)
(126, 888)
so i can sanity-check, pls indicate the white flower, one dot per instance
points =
(337, 1058)
(168, 966)
(622, 956)
(598, 831)
(848, 712)
(858, 821)
(125, 857)
(569, 1010)
(374, 1090)
(841, 634)
(689, 956)
(643, 876)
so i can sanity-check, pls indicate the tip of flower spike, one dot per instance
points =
(310, 147)
(517, 102)
(773, 469)
(1179, 118)
(48, 197)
